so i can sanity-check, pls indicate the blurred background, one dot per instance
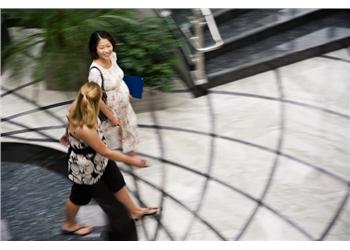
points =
(245, 118)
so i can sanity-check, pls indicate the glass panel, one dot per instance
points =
(179, 20)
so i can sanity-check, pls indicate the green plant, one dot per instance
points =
(147, 51)
(61, 36)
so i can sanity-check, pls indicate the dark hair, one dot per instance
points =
(95, 38)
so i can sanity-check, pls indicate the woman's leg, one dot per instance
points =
(115, 181)
(71, 211)
(135, 211)
(80, 195)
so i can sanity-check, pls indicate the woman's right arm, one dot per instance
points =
(91, 137)
(64, 138)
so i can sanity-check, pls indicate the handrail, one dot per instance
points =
(213, 31)
(193, 33)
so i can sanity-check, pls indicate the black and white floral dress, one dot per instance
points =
(85, 166)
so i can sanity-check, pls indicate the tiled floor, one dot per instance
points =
(263, 158)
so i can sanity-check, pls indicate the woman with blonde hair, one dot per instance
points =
(90, 160)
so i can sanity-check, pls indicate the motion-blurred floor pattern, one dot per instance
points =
(263, 158)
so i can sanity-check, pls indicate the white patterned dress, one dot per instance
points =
(125, 136)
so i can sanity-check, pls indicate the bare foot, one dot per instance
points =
(141, 212)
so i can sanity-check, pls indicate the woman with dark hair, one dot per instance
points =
(90, 160)
(105, 71)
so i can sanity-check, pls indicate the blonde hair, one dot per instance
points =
(87, 107)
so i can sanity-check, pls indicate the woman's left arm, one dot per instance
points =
(105, 109)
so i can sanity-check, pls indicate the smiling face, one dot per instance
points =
(104, 49)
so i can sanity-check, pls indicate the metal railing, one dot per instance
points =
(191, 38)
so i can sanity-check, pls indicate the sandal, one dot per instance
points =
(76, 231)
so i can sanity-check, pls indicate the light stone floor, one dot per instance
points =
(263, 158)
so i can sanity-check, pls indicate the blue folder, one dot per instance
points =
(135, 85)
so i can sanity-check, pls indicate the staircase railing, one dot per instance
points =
(189, 28)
